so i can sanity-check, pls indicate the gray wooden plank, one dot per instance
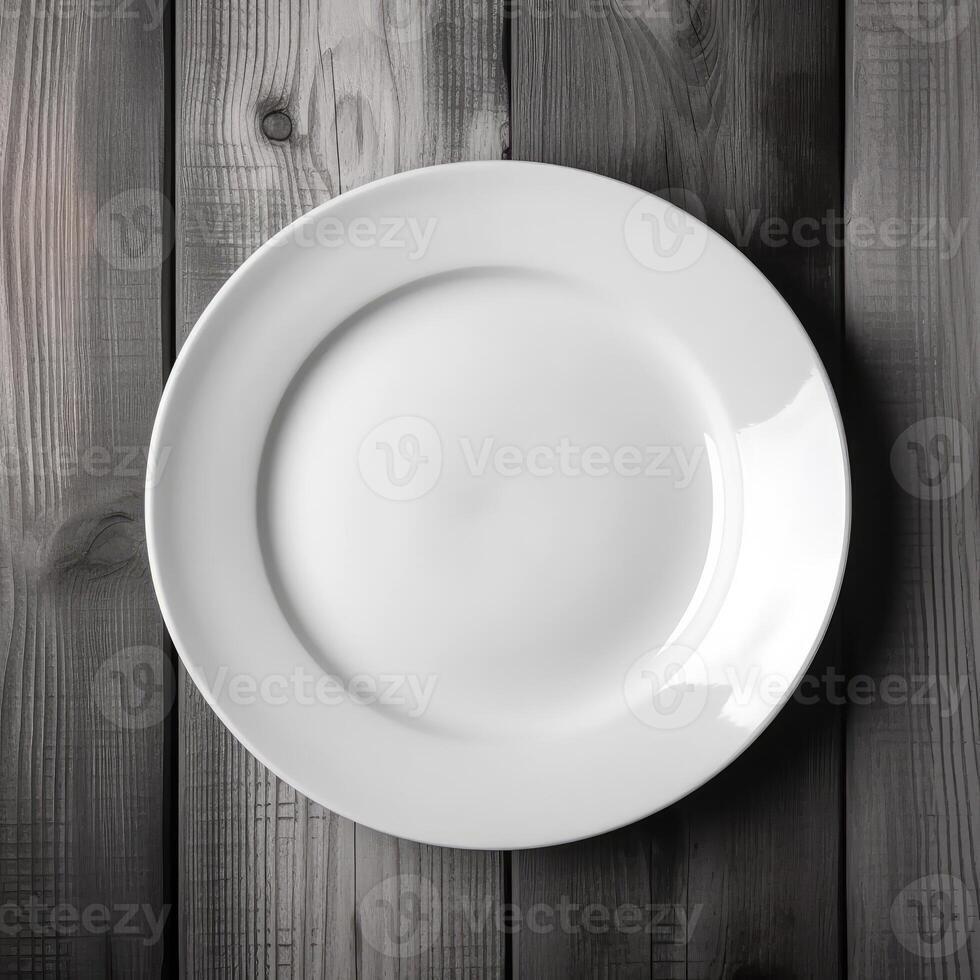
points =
(428, 911)
(589, 909)
(730, 109)
(270, 881)
(266, 876)
(913, 773)
(83, 658)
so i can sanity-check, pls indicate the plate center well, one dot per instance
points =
(485, 496)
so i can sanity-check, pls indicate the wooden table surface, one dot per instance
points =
(146, 149)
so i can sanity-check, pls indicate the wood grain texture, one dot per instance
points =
(83, 667)
(270, 882)
(913, 773)
(427, 912)
(610, 906)
(730, 109)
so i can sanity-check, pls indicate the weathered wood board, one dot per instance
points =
(913, 778)
(84, 665)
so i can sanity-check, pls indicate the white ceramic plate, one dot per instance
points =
(497, 504)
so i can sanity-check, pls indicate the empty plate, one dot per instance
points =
(497, 504)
